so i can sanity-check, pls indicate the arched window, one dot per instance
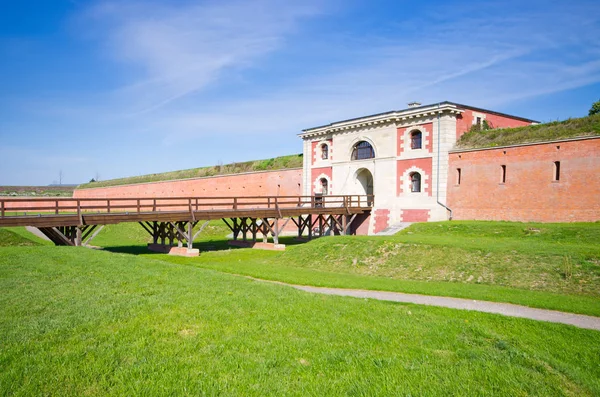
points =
(416, 139)
(363, 150)
(324, 152)
(415, 182)
(324, 186)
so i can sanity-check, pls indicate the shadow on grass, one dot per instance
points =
(203, 246)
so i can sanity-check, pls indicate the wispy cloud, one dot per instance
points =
(180, 49)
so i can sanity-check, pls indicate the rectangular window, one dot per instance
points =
(503, 180)
(557, 171)
(479, 121)
(458, 175)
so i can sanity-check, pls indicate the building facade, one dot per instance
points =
(402, 157)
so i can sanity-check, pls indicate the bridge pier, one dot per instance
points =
(69, 235)
(169, 232)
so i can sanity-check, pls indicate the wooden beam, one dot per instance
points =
(87, 242)
(201, 229)
(227, 223)
(147, 229)
(87, 230)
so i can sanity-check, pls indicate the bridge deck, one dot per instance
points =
(47, 212)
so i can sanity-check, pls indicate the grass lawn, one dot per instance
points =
(75, 321)
(552, 266)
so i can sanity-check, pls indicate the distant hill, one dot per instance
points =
(572, 128)
(277, 163)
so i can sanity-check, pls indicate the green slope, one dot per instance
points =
(277, 163)
(572, 128)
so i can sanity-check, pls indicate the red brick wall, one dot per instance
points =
(382, 219)
(360, 225)
(529, 194)
(424, 164)
(415, 215)
(267, 183)
(313, 149)
(315, 173)
(426, 137)
(464, 121)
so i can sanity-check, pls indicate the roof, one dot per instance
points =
(402, 114)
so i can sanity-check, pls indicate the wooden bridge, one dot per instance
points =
(70, 221)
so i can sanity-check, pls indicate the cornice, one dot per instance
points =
(380, 120)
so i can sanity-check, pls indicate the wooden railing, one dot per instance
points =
(62, 206)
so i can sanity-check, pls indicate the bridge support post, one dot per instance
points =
(180, 231)
(276, 231)
(67, 235)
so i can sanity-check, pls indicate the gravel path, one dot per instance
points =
(506, 309)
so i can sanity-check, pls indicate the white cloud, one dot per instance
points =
(182, 48)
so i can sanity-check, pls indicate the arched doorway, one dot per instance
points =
(365, 179)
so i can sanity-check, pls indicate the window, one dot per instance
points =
(503, 179)
(458, 176)
(363, 150)
(557, 171)
(478, 121)
(324, 186)
(324, 152)
(415, 182)
(416, 140)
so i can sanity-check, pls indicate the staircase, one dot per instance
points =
(390, 231)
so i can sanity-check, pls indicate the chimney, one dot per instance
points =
(414, 104)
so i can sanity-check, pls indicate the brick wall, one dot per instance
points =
(360, 226)
(382, 219)
(530, 192)
(267, 183)
(464, 121)
(415, 215)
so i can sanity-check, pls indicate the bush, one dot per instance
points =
(595, 109)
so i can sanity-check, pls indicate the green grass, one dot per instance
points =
(79, 322)
(585, 126)
(551, 266)
(18, 237)
(277, 163)
(37, 191)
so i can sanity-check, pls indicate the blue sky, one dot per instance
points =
(114, 89)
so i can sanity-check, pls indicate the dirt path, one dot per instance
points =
(506, 309)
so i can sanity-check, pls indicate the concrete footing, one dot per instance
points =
(168, 249)
(257, 245)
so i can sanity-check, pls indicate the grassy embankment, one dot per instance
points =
(572, 128)
(75, 321)
(37, 191)
(553, 266)
(277, 163)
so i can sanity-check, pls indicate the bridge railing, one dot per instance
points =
(63, 206)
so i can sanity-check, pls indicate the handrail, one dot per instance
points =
(116, 205)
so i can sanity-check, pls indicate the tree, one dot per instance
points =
(595, 109)
(92, 180)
